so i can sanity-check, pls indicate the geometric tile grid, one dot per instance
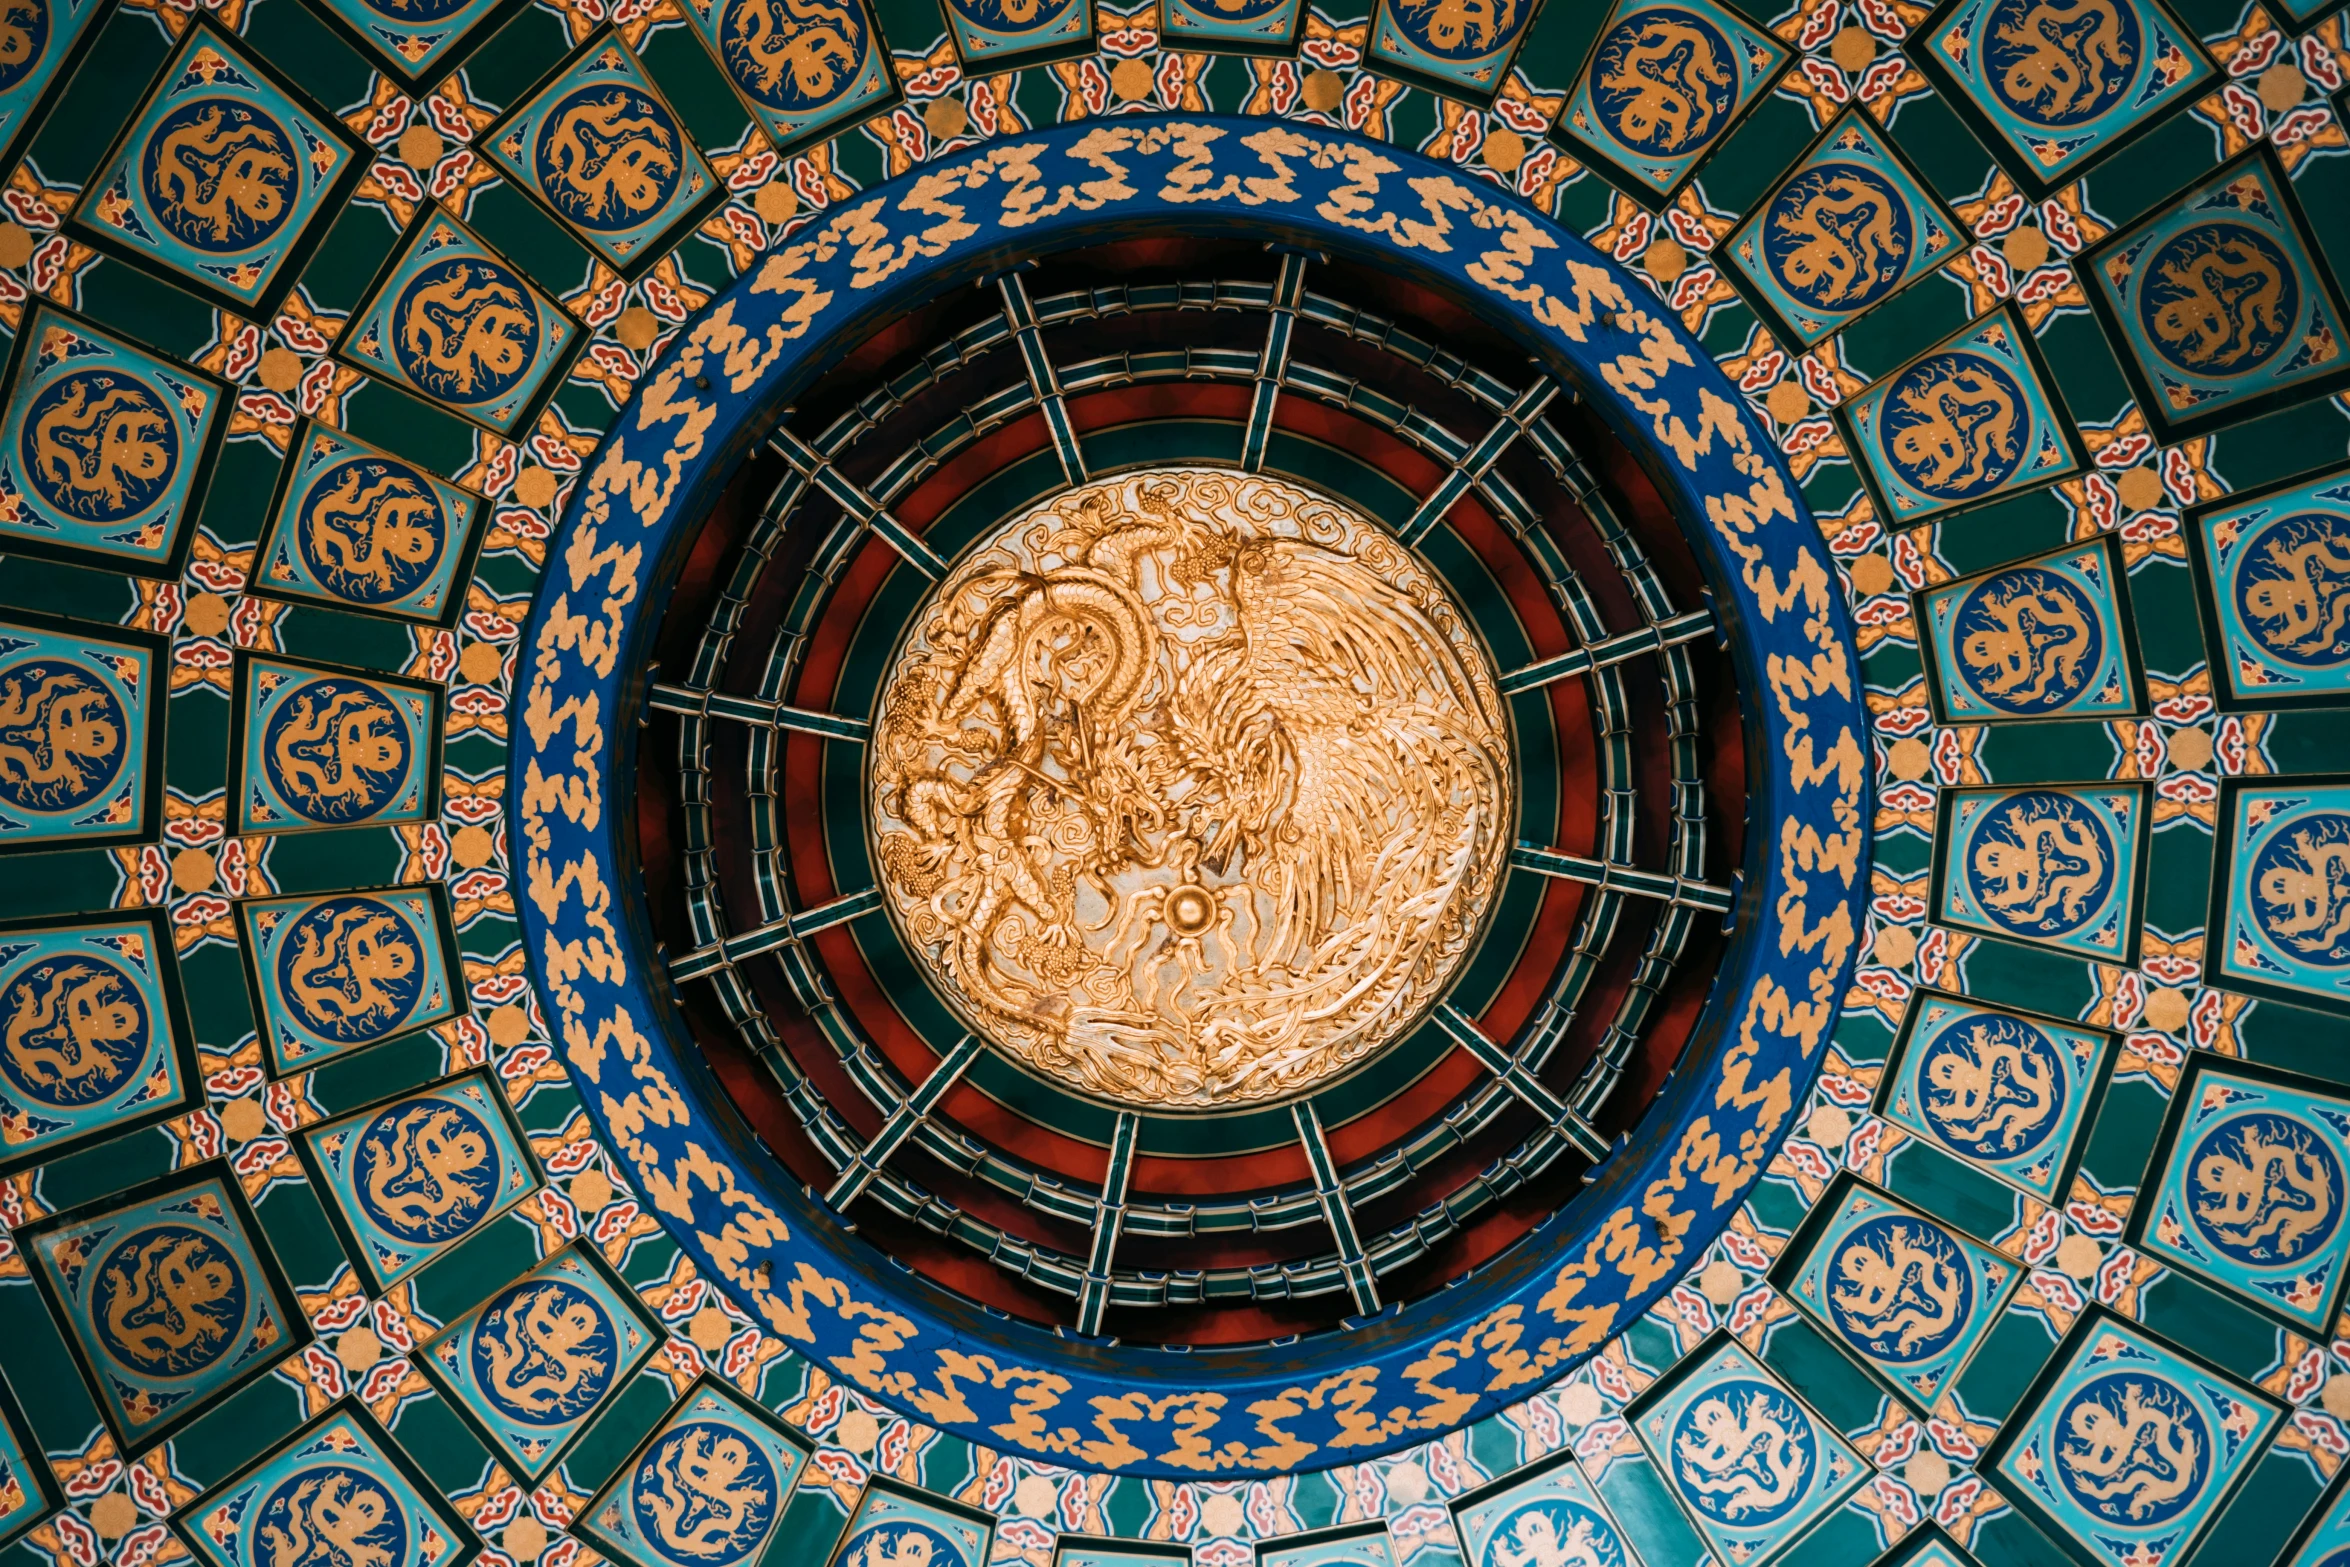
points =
(347, 970)
(81, 734)
(2008, 1094)
(894, 1524)
(2276, 570)
(362, 530)
(2043, 638)
(707, 1489)
(94, 1039)
(2057, 867)
(319, 748)
(341, 1483)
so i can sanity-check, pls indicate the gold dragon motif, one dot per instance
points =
(467, 335)
(365, 536)
(67, 1029)
(169, 1300)
(611, 162)
(100, 446)
(1190, 788)
(2064, 53)
(1664, 81)
(810, 41)
(215, 178)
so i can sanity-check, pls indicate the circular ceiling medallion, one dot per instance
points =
(1190, 788)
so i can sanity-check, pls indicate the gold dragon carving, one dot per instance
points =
(1191, 788)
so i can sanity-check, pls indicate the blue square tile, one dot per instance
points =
(93, 1041)
(1907, 1294)
(1460, 50)
(801, 68)
(1850, 228)
(1551, 1516)
(416, 38)
(104, 450)
(2217, 301)
(2132, 1448)
(535, 1362)
(603, 149)
(2004, 1092)
(1355, 1548)
(2061, 85)
(707, 1489)
(2055, 867)
(362, 530)
(37, 39)
(990, 34)
(2045, 638)
(2328, 1544)
(2284, 928)
(1665, 84)
(318, 748)
(892, 1519)
(340, 972)
(221, 177)
(1750, 1464)
(458, 325)
(1242, 25)
(412, 1178)
(339, 1494)
(81, 734)
(170, 1302)
(2250, 1194)
(1070, 1551)
(1965, 422)
(2276, 581)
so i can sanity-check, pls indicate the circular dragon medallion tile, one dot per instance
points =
(372, 530)
(426, 1170)
(351, 971)
(1745, 1453)
(331, 1515)
(1901, 1289)
(1665, 81)
(1190, 789)
(2300, 897)
(705, 1493)
(2266, 1189)
(72, 1030)
(2028, 641)
(544, 1353)
(2293, 590)
(2220, 299)
(168, 1300)
(2059, 66)
(2133, 1449)
(1994, 1089)
(61, 736)
(100, 445)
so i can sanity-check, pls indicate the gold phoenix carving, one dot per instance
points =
(1190, 788)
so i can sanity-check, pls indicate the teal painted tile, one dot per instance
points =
(37, 40)
(338, 973)
(2248, 1194)
(800, 69)
(339, 1494)
(2219, 302)
(81, 734)
(1070, 1551)
(1260, 26)
(317, 748)
(1969, 420)
(411, 1179)
(1750, 1464)
(894, 1522)
(105, 450)
(413, 37)
(170, 1298)
(27, 1492)
(2058, 868)
(1460, 50)
(2004, 1091)
(222, 177)
(2276, 592)
(1909, 1295)
(603, 149)
(2059, 86)
(358, 529)
(2283, 901)
(988, 34)
(1553, 1515)
(2132, 1448)
(2044, 638)
(535, 1362)
(707, 1489)
(1846, 231)
(1359, 1546)
(94, 1040)
(458, 325)
(2328, 1544)
(1665, 84)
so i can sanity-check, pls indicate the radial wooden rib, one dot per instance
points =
(1680, 890)
(1688, 626)
(1514, 1076)
(845, 492)
(1336, 1211)
(903, 1122)
(1288, 290)
(1020, 311)
(1481, 457)
(752, 710)
(775, 934)
(1109, 1216)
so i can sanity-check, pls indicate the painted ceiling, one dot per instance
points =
(495, 498)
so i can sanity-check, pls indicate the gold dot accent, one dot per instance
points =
(591, 1190)
(1853, 48)
(775, 202)
(482, 663)
(1579, 1403)
(2167, 1009)
(1667, 260)
(2078, 1257)
(1190, 911)
(525, 1538)
(16, 245)
(281, 369)
(2190, 750)
(2141, 487)
(1927, 1473)
(2025, 248)
(1036, 1496)
(1720, 1282)
(1872, 574)
(947, 118)
(1829, 1126)
(509, 1026)
(1407, 1484)
(421, 146)
(636, 328)
(710, 1329)
(243, 1120)
(1223, 1514)
(206, 615)
(1132, 80)
(1908, 758)
(192, 870)
(2336, 1397)
(2282, 86)
(858, 1431)
(535, 487)
(1788, 401)
(1505, 149)
(1324, 90)
(1896, 946)
(473, 847)
(359, 1350)
(114, 1515)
